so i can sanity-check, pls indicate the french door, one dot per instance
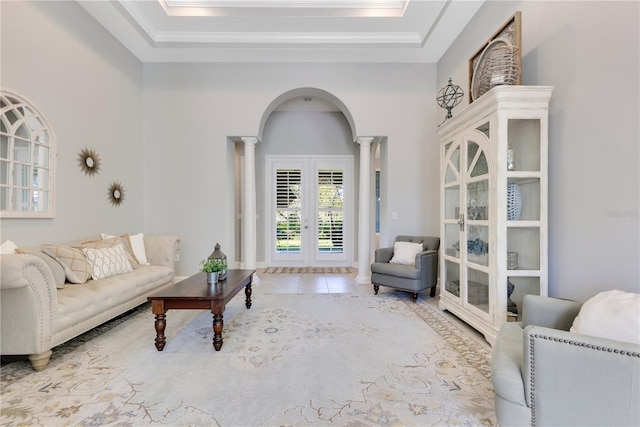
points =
(309, 211)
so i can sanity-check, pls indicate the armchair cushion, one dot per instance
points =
(405, 253)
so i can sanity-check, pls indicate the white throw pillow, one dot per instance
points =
(106, 262)
(405, 253)
(610, 314)
(8, 247)
(134, 244)
(137, 246)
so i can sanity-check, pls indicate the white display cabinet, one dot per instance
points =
(494, 193)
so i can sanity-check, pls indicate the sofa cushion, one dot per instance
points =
(107, 262)
(80, 308)
(610, 314)
(55, 267)
(75, 264)
(405, 253)
(396, 270)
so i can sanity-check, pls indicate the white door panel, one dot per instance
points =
(309, 211)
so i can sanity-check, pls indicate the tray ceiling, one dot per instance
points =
(284, 30)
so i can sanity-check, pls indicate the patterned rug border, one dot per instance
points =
(308, 270)
(471, 350)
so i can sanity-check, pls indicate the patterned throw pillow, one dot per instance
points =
(110, 243)
(107, 262)
(75, 264)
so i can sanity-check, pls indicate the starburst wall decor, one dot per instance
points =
(89, 161)
(116, 194)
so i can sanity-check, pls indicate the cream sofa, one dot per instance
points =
(36, 315)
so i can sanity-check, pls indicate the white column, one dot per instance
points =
(249, 202)
(364, 211)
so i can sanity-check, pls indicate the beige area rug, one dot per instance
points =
(307, 270)
(296, 360)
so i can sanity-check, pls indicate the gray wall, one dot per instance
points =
(589, 52)
(89, 87)
(191, 111)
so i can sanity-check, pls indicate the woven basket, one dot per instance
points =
(514, 202)
(499, 68)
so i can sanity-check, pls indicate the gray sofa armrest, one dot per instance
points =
(549, 312)
(608, 393)
(428, 262)
(383, 254)
(162, 250)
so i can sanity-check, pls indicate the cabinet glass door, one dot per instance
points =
(451, 220)
(476, 229)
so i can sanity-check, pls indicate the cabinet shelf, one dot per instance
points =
(523, 272)
(524, 224)
(475, 186)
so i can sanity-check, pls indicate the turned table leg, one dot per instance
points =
(376, 288)
(157, 308)
(247, 292)
(217, 331)
(161, 324)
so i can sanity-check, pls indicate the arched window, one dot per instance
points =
(27, 160)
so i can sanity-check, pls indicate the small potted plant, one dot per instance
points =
(212, 267)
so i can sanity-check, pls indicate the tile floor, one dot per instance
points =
(346, 284)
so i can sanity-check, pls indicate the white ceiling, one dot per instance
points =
(284, 30)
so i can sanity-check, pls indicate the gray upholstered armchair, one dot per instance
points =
(545, 375)
(421, 274)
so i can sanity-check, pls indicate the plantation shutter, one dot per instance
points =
(330, 211)
(288, 210)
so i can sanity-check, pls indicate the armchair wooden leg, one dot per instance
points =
(375, 289)
(414, 296)
(433, 291)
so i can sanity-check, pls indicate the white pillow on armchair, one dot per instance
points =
(405, 253)
(610, 314)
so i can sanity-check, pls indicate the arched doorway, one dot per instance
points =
(305, 165)
(251, 170)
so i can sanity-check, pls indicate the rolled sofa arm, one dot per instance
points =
(549, 312)
(574, 379)
(28, 299)
(162, 250)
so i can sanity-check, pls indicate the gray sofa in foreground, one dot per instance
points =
(36, 315)
(544, 375)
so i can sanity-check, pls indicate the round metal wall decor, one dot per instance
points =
(116, 194)
(89, 161)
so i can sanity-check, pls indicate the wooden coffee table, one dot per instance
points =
(194, 293)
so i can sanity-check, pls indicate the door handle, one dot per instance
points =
(461, 222)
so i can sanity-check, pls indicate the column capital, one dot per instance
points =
(364, 140)
(249, 140)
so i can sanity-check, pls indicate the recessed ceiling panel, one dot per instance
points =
(285, 30)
